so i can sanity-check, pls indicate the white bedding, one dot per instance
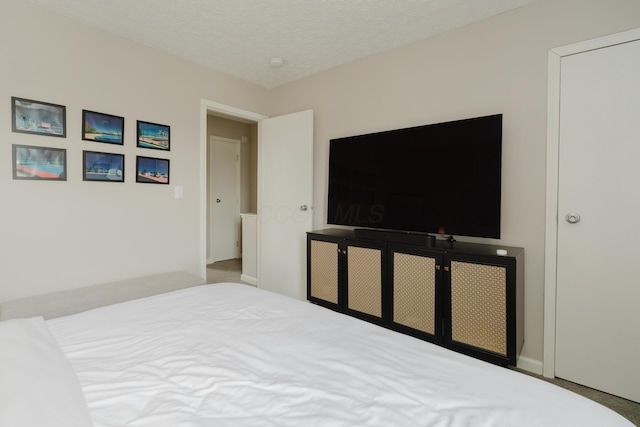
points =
(233, 355)
(38, 386)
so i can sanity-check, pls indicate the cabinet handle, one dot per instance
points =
(446, 268)
(437, 267)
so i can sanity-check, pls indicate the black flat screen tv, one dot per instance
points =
(440, 178)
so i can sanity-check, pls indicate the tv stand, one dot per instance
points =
(467, 297)
(403, 237)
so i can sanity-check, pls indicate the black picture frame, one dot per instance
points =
(104, 167)
(151, 170)
(102, 127)
(38, 117)
(39, 163)
(153, 135)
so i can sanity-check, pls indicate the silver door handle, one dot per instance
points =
(572, 218)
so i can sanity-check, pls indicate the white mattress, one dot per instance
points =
(233, 355)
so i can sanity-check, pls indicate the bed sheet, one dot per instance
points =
(232, 355)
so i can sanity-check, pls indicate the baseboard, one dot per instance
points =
(251, 280)
(530, 365)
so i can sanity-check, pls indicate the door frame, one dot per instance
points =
(210, 234)
(228, 111)
(553, 145)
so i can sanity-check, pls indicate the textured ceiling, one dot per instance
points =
(238, 37)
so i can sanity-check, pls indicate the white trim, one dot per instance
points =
(599, 43)
(251, 280)
(553, 145)
(530, 365)
(551, 229)
(233, 112)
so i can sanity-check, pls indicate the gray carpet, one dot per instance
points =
(231, 270)
(628, 409)
(225, 271)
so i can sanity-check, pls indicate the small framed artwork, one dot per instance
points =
(153, 135)
(37, 117)
(39, 163)
(100, 127)
(150, 170)
(106, 167)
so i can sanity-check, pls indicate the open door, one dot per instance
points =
(285, 194)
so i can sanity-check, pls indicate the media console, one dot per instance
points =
(463, 296)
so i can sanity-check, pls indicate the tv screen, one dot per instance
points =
(439, 178)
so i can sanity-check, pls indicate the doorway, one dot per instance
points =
(284, 194)
(231, 185)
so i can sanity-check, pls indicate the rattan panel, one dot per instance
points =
(324, 271)
(478, 306)
(365, 280)
(414, 291)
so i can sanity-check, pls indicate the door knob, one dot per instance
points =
(304, 207)
(217, 200)
(572, 218)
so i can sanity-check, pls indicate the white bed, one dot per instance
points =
(232, 355)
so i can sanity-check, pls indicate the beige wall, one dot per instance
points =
(61, 235)
(495, 66)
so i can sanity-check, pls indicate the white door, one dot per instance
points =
(598, 256)
(224, 199)
(284, 204)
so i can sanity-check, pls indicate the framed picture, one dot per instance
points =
(39, 163)
(39, 118)
(100, 127)
(153, 135)
(150, 170)
(107, 167)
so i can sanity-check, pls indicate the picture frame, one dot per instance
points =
(101, 127)
(151, 170)
(39, 163)
(153, 135)
(105, 167)
(38, 117)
